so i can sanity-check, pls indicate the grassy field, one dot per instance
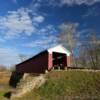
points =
(61, 85)
(68, 85)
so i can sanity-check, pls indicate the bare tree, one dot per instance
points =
(94, 50)
(22, 57)
(90, 51)
(67, 37)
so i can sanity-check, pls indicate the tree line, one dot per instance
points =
(85, 52)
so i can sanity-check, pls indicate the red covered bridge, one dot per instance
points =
(46, 60)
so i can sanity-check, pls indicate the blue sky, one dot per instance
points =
(30, 26)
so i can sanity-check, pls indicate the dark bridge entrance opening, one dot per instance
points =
(59, 60)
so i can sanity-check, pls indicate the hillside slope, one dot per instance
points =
(67, 85)
(27, 85)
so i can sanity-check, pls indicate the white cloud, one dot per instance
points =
(91, 12)
(73, 2)
(48, 38)
(82, 33)
(8, 56)
(2, 40)
(14, 1)
(35, 4)
(69, 27)
(37, 43)
(49, 29)
(16, 23)
(44, 42)
(38, 19)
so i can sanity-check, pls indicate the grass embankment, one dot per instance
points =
(68, 85)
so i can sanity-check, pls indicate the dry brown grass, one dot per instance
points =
(4, 78)
(4, 83)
